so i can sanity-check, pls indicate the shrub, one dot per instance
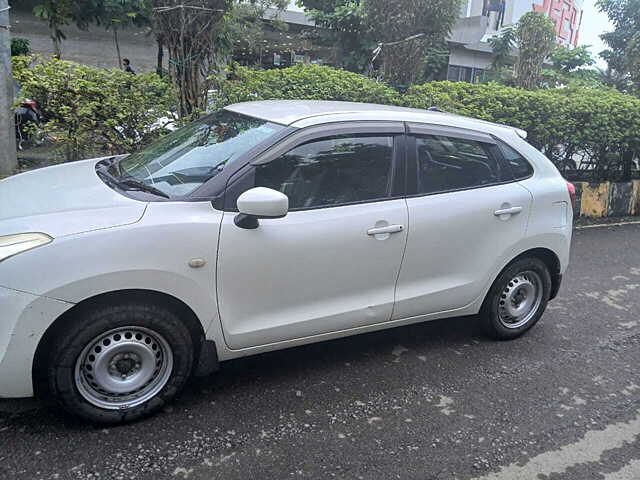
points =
(20, 47)
(89, 111)
(589, 125)
(309, 82)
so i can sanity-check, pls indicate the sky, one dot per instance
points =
(594, 23)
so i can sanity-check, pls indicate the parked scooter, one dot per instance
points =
(28, 119)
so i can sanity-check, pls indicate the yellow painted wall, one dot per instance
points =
(594, 199)
(635, 198)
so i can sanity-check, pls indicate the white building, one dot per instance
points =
(471, 54)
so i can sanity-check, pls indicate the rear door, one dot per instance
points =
(465, 211)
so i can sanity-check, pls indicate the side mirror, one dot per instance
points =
(260, 202)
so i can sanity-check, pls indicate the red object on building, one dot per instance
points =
(567, 15)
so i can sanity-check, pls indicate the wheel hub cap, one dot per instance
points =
(520, 299)
(123, 368)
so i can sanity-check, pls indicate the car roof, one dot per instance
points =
(304, 113)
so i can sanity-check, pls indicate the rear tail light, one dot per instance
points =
(572, 193)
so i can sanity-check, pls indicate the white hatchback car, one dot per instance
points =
(264, 226)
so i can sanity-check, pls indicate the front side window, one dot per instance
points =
(187, 158)
(332, 171)
(449, 163)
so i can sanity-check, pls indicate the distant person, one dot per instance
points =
(127, 66)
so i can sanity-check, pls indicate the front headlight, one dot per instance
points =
(11, 245)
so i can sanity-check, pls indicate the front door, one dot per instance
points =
(332, 263)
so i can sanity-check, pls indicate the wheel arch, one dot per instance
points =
(185, 313)
(549, 258)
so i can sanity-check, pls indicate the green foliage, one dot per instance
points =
(407, 29)
(535, 38)
(310, 82)
(569, 60)
(245, 22)
(19, 47)
(437, 62)
(90, 111)
(342, 22)
(572, 66)
(622, 54)
(502, 46)
(597, 125)
(117, 15)
(58, 13)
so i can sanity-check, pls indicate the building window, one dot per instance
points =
(457, 73)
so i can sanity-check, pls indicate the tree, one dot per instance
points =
(503, 46)
(193, 32)
(116, 15)
(405, 30)
(199, 36)
(535, 38)
(246, 21)
(572, 65)
(633, 60)
(59, 13)
(343, 29)
(20, 47)
(622, 55)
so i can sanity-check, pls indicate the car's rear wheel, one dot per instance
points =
(517, 299)
(118, 363)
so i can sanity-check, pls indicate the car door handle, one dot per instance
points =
(508, 211)
(387, 229)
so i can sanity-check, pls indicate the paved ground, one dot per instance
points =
(95, 47)
(432, 401)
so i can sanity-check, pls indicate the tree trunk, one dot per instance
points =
(627, 165)
(57, 46)
(160, 55)
(115, 38)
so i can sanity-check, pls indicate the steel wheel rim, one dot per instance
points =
(520, 299)
(123, 368)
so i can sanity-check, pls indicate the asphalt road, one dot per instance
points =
(430, 401)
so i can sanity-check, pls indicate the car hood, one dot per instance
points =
(63, 200)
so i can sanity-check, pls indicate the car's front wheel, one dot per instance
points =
(517, 299)
(118, 363)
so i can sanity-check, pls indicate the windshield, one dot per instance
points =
(187, 158)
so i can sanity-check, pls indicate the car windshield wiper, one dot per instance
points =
(128, 183)
(134, 184)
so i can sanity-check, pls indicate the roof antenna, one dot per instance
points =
(435, 109)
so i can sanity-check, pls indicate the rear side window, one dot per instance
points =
(449, 163)
(520, 167)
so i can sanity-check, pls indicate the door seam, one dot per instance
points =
(404, 251)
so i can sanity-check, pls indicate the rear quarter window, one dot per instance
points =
(520, 166)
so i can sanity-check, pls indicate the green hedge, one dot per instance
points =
(591, 125)
(568, 124)
(90, 111)
(115, 112)
(308, 82)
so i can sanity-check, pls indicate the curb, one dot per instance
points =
(610, 224)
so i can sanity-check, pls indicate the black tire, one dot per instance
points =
(89, 324)
(493, 320)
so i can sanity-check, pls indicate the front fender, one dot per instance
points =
(153, 254)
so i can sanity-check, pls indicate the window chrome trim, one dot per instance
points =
(327, 130)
